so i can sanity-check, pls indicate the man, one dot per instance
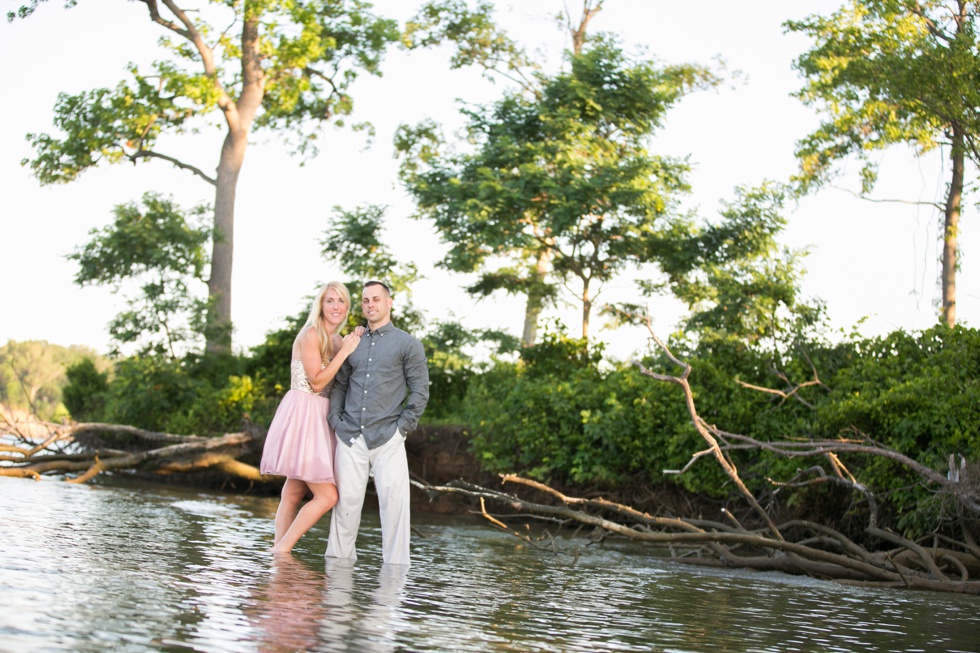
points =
(377, 399)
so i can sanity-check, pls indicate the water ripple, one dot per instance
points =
(144, 568)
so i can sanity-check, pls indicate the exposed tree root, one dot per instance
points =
(831, 555)
(63, 452)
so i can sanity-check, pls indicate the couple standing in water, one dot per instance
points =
(352, 402)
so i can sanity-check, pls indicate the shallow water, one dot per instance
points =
(130, 567)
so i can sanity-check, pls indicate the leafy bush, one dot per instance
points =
(196, 396)
(149, 392)
(557, 416)
(85, 391)
(918, 394)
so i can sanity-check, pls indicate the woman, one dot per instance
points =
(300, 443)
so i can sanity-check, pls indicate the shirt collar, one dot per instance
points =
(382, 329)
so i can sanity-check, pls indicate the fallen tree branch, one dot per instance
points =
(820, 550)
(179, 453)
(703, 428)
(852, 563)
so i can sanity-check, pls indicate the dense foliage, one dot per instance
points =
(214, 394)
(161, 249)
(559, 416)
(563, 414)
(556, 187)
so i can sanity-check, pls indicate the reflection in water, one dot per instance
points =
(291, 607)
(128, 568)
(364, 616)
(382, 616)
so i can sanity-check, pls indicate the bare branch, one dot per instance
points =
(187, 29)
(852, 563)
(154, 10)
(779, 393)
(589, 9)
(703, 428)
(864, 197)
(150, 154)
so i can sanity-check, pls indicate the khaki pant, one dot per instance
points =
(353, 466)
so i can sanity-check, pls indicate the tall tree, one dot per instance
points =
(481, 43)
(887, 72)
(270, 64)
(559, 189)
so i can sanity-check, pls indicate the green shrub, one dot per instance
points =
(196, 396)
(918, 394)
(557, 416)
(150, 393)
(85, 392)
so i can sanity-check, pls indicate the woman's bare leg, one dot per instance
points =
(293, 492)
(324, 498)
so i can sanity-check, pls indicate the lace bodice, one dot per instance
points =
(299, 381)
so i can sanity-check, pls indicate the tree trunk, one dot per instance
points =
(219, 284)
(951, 223)
(238, 116)
(586, 308)
(589, 9)
(535, 299)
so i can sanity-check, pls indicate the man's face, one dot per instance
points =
(376, 305)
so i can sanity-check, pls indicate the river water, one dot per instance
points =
(115, 566)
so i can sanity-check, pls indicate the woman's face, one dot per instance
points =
(333, 308)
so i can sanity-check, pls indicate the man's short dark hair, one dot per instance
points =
(378, 283)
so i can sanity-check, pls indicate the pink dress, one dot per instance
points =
(300, 443)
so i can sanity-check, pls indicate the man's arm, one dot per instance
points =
(338, 396)
(417, 379)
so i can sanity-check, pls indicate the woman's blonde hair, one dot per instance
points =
(315, 319)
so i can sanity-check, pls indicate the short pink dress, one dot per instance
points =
(300, 443)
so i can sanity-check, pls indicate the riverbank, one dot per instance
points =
(438, 455)
(650, 508)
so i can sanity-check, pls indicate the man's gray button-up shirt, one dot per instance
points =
(382, 385)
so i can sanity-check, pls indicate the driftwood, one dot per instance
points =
(75, 450)
(820, 551)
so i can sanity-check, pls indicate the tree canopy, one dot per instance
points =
(558, 188)
(164, 250)
(737, 281)
(279, 65)
(888, 72)
(353, 241)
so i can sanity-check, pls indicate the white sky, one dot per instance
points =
(875, 264)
